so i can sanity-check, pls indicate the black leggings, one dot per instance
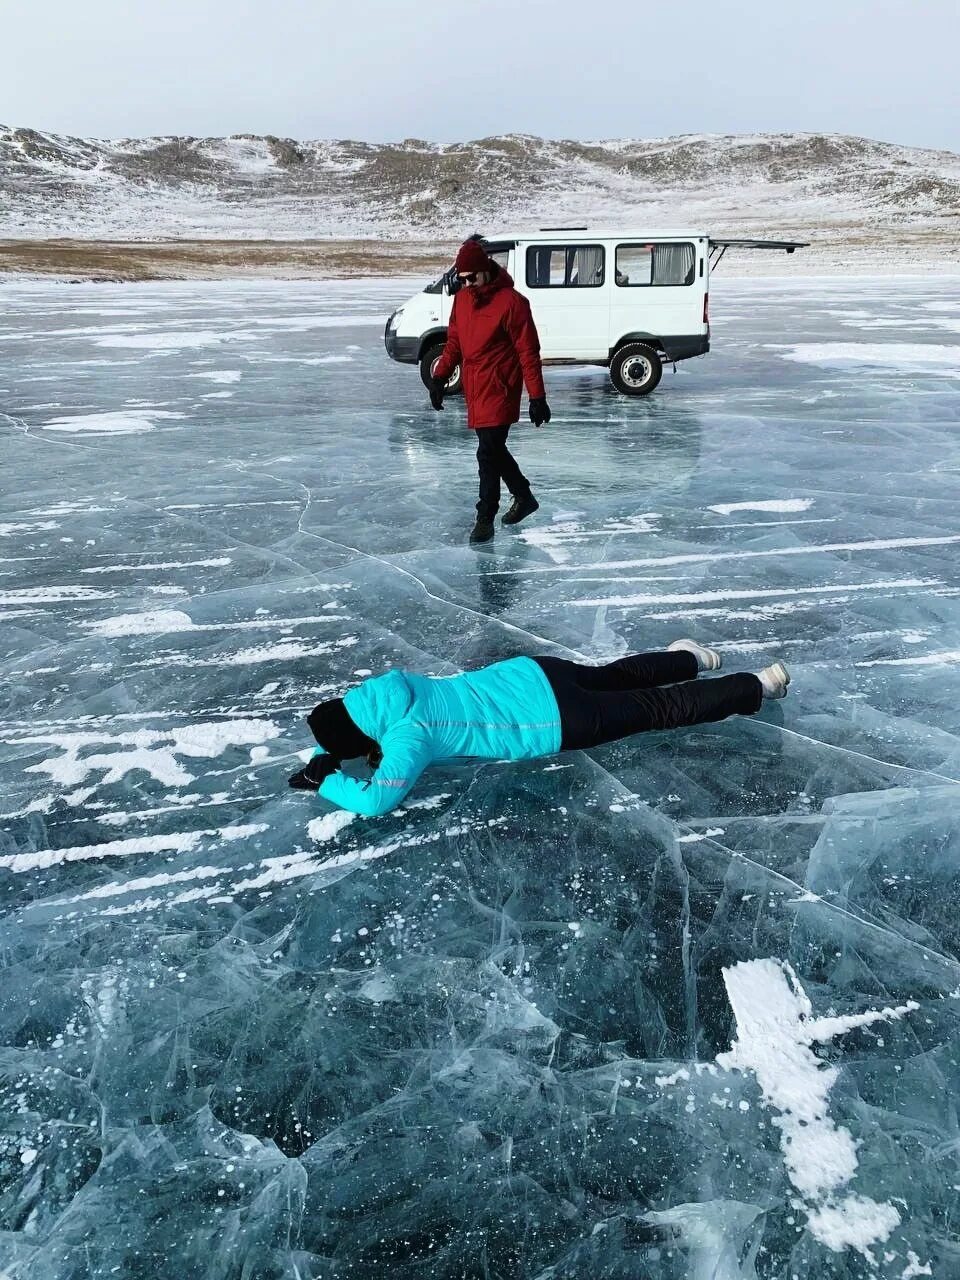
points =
(602, 704)
(496, 462)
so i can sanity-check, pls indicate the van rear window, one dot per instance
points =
(565, 266)
(655, 264)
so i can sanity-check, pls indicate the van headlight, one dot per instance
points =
(395, 319)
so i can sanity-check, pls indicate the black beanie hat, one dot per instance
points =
(333, 728)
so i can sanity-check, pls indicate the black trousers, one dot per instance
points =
(496, 462)
(602, 704)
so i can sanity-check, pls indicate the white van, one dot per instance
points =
(628, 300)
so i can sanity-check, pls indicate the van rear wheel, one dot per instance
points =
(635, 369)
(429, 358)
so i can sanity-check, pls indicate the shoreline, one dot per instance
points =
(131, 261)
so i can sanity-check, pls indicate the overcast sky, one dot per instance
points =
(390, 69)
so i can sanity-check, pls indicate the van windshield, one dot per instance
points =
(437, 286)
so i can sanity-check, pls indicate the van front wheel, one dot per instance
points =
(429, 358)
(635, 369)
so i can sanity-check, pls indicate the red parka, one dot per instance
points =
(494, 340)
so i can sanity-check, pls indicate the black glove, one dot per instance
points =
(437, 388)
(317, 769)
(539, 411)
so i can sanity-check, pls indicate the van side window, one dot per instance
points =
(559, 266)
(655, 264)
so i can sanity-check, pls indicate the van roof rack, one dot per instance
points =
(583, 228)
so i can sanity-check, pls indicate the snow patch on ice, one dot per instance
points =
(855, 1222)
(328, 826)
(27, 526)
(665, 1082)
(775, 1027)
(162, 621)
(283, 651)
(116, 422)
(709, 597)
(173, 341)
(694, 837)
(308, 360)
(152, 750)
(914, 1267)
(218, 375)
(218, 562)
(153, 622)
(947, 658)
(173, 842)
(895, 357)
(53, 595)
(767, 504)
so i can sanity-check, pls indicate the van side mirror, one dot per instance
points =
(451, 281)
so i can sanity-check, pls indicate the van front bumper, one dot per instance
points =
(404, 350)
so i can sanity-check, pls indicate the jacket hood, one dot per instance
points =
(377, 704)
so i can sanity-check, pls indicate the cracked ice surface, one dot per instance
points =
(683, 1006)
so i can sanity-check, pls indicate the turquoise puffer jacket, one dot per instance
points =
(506, 711)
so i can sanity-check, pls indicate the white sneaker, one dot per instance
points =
(774, 679)
(707, 659)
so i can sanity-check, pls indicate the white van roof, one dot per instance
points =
(597, 233)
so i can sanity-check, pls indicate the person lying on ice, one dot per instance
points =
(519, 709)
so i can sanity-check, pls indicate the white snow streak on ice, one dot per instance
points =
(948, 658)
(219, 562)
(775, 1028)
(54, 595)
(219, 375)
(705, 557)
(174, 842)
(768, 504)
(706, 597)
(27, 526)
(172, 341)
(118, 422)
(164, 621)
(153, 750)
(284, 651)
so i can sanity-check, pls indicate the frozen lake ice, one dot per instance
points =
(683, 1006)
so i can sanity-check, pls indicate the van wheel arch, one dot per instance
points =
(648, 339)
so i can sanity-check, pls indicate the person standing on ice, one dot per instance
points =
(519, 709)
(494, 340)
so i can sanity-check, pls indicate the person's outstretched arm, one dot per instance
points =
(406, 753)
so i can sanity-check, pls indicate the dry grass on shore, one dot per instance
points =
(842, 250)
(221, 259)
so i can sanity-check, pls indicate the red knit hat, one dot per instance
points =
(473, 257)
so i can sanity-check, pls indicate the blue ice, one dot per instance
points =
(682, 1006)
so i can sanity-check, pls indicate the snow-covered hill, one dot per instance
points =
(246, 187)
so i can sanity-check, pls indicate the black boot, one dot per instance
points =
(483, 530)
(520, 508)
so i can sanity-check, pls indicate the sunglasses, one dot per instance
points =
(469, 277)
